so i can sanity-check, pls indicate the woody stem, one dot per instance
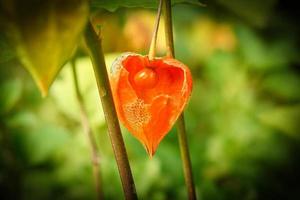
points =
(152, 49)
(184, 149)
(93, 42)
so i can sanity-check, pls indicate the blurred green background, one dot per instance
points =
(243, 119)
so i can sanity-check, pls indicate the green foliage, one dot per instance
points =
(7, 51)
(262, 55)
(113, 5)
(255, 11)
(11, 91)
(43, 35)
(285, 119)
(284, 85)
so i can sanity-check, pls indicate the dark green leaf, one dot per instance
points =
(10, 93)
(260, 55)
(112, 5)
(283, 85)
(285, 119)
(254, 11)
(6, 50)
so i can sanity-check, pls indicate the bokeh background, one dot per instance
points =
(243, 119)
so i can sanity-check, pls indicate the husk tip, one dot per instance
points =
(44, 88)
(150, 151)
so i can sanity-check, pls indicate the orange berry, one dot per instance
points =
(146, 78)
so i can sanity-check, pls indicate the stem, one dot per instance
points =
(88, 131)
(184, 150)
(168, 28)
(93, 42)
(154, 35)
(185, 156)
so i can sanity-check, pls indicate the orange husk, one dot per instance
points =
(150, 113)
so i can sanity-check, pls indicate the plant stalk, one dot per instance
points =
(181, 130)
(152, 49)
(88, 131)
(93, 42)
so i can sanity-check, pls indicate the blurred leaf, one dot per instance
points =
(7, 51)
(285, 119)
(43, 142)
(45, 182)
(64, 88)
(260, 55)
(284, 85)
(203, 38)
(254, 11)
(74, 169)
(210, 191)
(22, 119)
(113, 5)
(147, 174)
(10, 93)
(44, 34)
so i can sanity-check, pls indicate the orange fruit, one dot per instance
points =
(149, 95)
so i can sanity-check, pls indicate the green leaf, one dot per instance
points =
(255, 11)
(6, 52)
(263, 56)
(285, 119)
(284, 85)
(113, 5)
(23, 120)
(11, 91)
(43, 142)
(44, 34)
(64, 88)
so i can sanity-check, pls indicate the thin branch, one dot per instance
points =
(185, 156)
(152, 48)
(184, 149)
(168, 28)
(88, 131)
(93, 42)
